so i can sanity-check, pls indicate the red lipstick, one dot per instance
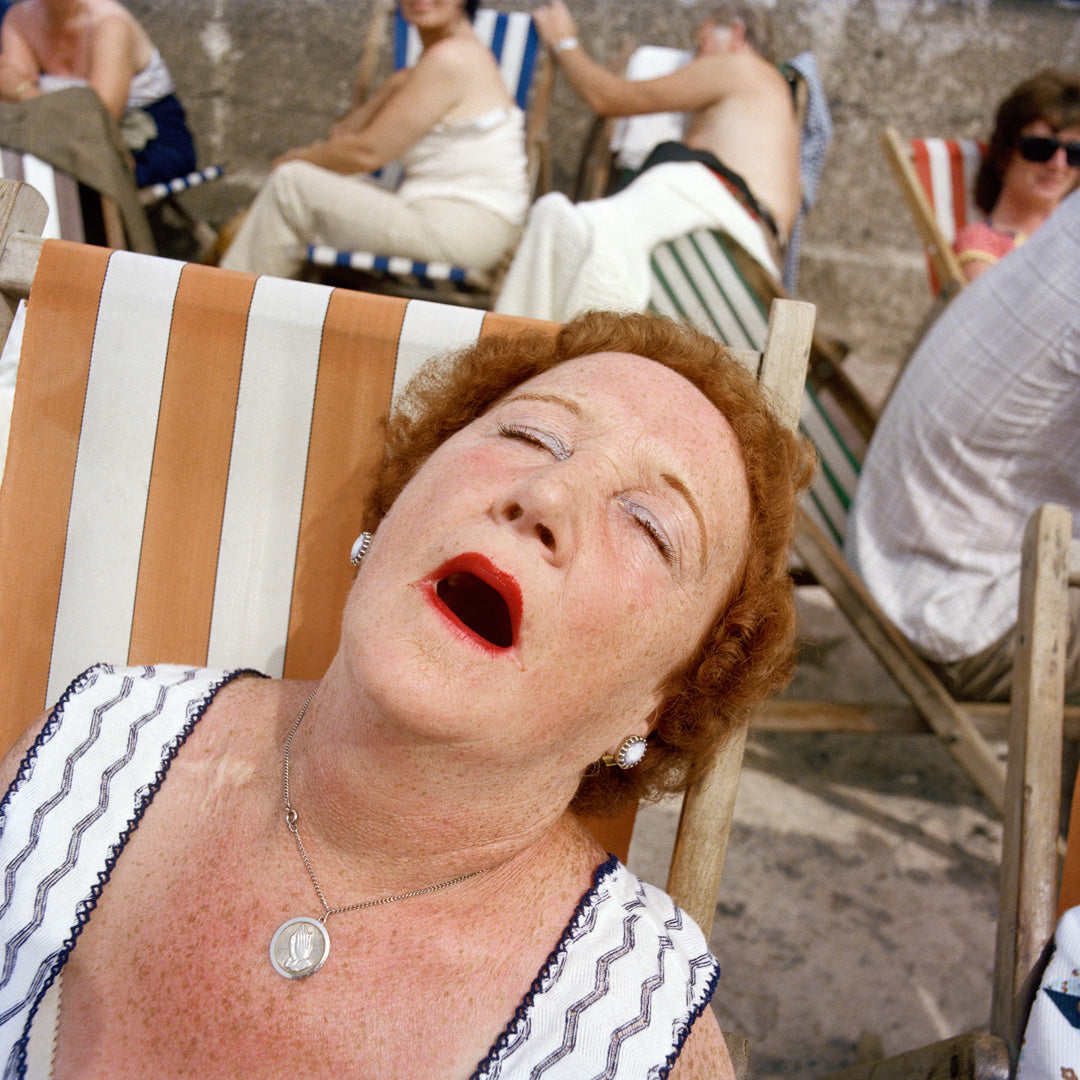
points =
(477, 598)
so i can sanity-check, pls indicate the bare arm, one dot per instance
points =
(972, 268)
(704, 1054)
(358, 117)
(19, 68)
(425, 94)
(702, 82)
(113, 49)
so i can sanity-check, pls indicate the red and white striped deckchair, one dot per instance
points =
(188, 464)
(937, 178)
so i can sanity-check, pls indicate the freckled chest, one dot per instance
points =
(172, 975)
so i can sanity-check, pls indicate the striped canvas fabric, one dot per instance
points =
(156, 192)
(946, 169)
(60, 191)
(700, 279)
(188, 464)
(512, 37)
(398, 266)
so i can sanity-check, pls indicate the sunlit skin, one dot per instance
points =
(620, 542)
(454, 80)
(606, 500)
(740, 106)
(96, 40)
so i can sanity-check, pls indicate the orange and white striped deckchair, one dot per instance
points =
(188, 463)
(937, 178)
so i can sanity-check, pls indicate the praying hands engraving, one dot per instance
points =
(301, 946)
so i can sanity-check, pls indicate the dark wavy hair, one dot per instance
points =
(747, 654)
(471, 7)
(1052, 96)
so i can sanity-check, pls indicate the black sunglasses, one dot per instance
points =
(1043, 148)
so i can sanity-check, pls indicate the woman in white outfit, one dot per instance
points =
(460, 137)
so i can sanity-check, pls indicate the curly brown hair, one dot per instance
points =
(747, 653)
(1053, 96)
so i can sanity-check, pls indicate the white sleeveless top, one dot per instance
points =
(616, 997)
(481, 161)
(147, 86)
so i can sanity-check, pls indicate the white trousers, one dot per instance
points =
(303, 204)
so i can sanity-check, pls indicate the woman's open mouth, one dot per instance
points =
(480, 597)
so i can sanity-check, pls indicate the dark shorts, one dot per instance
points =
(172, 153)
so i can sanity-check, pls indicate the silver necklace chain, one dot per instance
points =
(292, 819)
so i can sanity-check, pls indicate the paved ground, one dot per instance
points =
(860, 891)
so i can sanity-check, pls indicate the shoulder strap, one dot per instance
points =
(79, 795)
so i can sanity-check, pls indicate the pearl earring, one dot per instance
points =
(631, 751)
(360, 548)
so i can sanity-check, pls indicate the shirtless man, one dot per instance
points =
(741, 106)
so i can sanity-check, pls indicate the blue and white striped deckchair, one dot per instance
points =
(156, 192)
(512, 37)
(165, 194)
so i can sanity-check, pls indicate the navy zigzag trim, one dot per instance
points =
(46, 807)
(601, 983)
(583, 920)
(644, 1016)
(16, 1065)
(79, 830)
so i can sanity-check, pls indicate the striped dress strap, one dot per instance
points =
(79, 795)
(619, 994)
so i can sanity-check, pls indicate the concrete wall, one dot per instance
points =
(258, 76)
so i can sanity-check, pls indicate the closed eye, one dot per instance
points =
(651, 527)
(543, 439)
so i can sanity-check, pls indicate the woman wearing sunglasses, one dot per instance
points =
(1032, 163)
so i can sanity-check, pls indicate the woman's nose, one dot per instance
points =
(542, 508)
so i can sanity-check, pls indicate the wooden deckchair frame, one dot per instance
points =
(1028, 890)
(946, 276)
(708, 807)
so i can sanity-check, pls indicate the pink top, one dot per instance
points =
(981, 242)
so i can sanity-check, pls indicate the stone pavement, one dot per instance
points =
(859, 898)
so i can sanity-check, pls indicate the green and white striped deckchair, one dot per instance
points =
(705, 279)
(708, 281)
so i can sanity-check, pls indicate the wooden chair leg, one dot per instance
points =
(1029, 856)
(114, 224)
(965, 1057)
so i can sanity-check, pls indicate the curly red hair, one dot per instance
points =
(747, 654)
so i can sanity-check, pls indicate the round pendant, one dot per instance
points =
(299, 948)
